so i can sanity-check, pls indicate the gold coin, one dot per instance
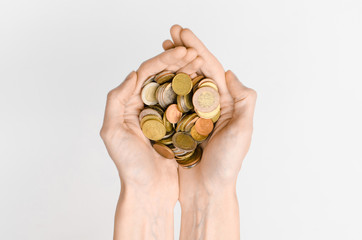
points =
(147, 111)
(166, 141)
(180, 124)
(208, 114)
(184, 156)
(153, 129)
(167, 124)
(191, 122)
(197, 79)
(149, 117)
(216, 117)
(206, 83)
(148, 80)
(188, 101)
(191, 161)
(195, 135)
(164, 76)
(182, 84)
(183, 141)
(158, 108)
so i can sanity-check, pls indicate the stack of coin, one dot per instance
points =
(179, 113)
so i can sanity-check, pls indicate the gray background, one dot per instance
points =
(58, 59)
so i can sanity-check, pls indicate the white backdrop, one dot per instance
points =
(58, 59)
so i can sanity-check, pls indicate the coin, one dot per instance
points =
(168, 95)
(163, 150)
(208, 114)
(148, 111)
(164, 76)
(216, 117)
(207, 82)
(204, 126)
(149, 117)
(179, 114)
(195, 135)
(184, 155)
(173, 115)
(189, 124)
(191, 161)
(181, 84)
(148, 80)
(197, 79)
(148, 93)
(206, 99)
(166, 141)
(153, 129)
(183, 141)
(167, 124)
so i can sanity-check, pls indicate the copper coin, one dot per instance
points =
(204, 126)
(173, 115)
(163, 150)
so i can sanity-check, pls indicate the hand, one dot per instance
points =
(207, 191)
(149, 181)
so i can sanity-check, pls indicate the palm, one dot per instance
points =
(224, 150)
(137, 162)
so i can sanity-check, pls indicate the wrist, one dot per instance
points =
(142, 215)
(210, 214)
(150, 199)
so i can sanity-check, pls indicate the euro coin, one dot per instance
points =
(204, 126)
(173, 115)
(182, 84)
(148, 93)
(153, 129)
(163, 150)
(197, 136)
(206, 99)
(164, 76)
(179, 114)
(183, 141)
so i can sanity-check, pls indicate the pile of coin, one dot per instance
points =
(179, 113)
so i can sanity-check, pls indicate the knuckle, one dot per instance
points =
(111, 94)
(252, 93)
(104, 133)
(198, 61)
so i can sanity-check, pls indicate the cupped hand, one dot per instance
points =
(225, 150)
(139, 166)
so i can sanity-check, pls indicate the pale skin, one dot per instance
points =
(150, 184)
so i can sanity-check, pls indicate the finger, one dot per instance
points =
(190, 55)
(189, 39)
(116, 101)
(212, 67)
(167, 44)
(193, 66)
(244, 100)
(158, 64)
(176, 35)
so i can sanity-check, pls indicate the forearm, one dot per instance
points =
(210, 216)
(139, 216)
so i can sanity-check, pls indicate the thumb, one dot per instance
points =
(236, 89)
(116, 100)
(244, 100)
